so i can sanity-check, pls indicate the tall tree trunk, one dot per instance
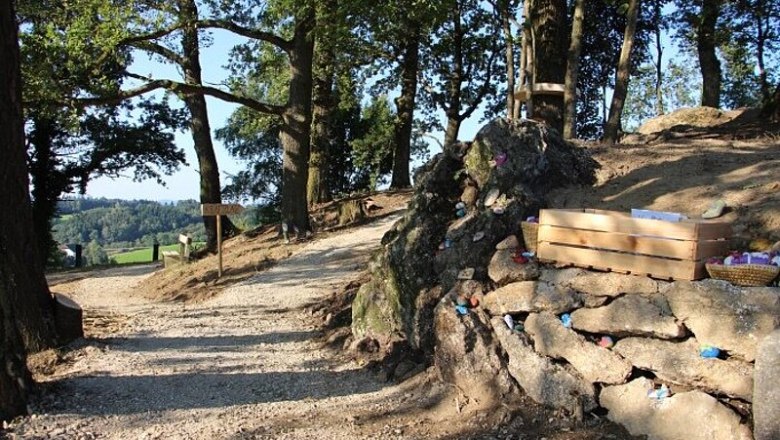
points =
(23, 278)
(16, 273)
(548, 21)
(405, 109)
(296, 130)
(529, 52)
(47, 183)
(760, 16)
(509, 54)
(323, 104)
(455, 81)
(210, 189)
(706, 44)
(659, 49)
(623, 73)
(572, 67)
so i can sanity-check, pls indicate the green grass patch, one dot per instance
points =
(145, 255)
(141, 255)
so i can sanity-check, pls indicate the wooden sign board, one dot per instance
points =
(211, 209)
(218, 210)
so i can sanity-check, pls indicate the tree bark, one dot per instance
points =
(572, 67)
(15, 217)
(761, 15)
(452, 109)
(29, 295)
(323, 103)
(548, 20)
(659, 73)
(623, 73)
(296, 129)
(706, 43)
(509, 54)
(529, 52)
(210, 188)
(405, 109)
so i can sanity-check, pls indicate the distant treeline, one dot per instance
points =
(126, 223)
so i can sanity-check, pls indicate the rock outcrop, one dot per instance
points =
(724, 316)
(520, 162)
(611, 284)
(766, 394)
(544, 381)
(531, 296)
(626, 316)
(680, 363)
(594, 363)
(691, 415)
(467, 354)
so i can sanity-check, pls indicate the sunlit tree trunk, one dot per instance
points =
(322, 108)
(623, 73)
(572, 67)
(659, 49)
(509, 54)
(210, 189)
(405, 104)
(548, 20)
(706, 43)
(295, 134)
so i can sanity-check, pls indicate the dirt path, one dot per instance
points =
(243, 365)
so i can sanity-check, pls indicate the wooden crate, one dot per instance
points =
(609, 240)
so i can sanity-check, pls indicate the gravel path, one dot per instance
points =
(242, 365)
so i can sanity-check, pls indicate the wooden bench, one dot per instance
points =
(182, 256)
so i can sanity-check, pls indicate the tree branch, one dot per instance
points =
(482, 90)
(268, 37)
(151, 36)
(176, 87)
(159, 50)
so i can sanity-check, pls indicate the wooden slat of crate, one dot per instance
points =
(681, 249)
(658, 246)
(609, 221)
(621, 262)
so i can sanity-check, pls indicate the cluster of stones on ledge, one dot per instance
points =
(659, 328)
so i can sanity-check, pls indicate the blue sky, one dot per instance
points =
(184, 184)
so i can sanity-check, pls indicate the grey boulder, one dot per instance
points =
(594, 363)
(692, 415)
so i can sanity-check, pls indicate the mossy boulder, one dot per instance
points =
(532, 160)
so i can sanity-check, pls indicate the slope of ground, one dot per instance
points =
(685, 170)
(247, 364)
(255, 251)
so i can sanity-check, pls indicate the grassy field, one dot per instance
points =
(144, 255)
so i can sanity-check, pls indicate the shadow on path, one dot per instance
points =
(103, 395)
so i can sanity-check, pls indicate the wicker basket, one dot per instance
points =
(530, 234)
(744, 274)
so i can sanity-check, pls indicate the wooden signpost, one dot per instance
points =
(218, 210)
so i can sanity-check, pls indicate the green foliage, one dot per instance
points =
(254, 139)
(741, 87)
(602, 39)
(114, 223)
(94, 255)
(462, 64)
(681, 88)
(72, 50)
(373, 152)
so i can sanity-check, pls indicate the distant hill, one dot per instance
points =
(127, 223)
